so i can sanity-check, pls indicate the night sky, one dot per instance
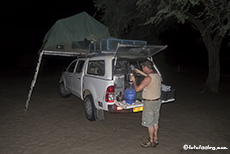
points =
(23, 27)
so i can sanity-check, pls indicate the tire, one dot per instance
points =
(63, 91)
(89, 108)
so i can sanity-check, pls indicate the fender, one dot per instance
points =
(90, 90)
(62, 79)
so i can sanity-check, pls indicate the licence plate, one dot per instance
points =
(138, 109)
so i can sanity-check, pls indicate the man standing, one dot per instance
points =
(151, 86)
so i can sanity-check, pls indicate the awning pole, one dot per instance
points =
(33, 81)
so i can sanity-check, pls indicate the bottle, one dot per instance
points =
(130, 94)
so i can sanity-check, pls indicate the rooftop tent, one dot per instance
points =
(72, 35)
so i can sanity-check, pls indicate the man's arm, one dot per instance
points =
(140, 72)
(144, 83)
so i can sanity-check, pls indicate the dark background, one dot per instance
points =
(23, 27)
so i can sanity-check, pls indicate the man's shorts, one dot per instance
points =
(151, 113)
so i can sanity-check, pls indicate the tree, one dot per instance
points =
(118, 15)
(210, 17)
(121, 16)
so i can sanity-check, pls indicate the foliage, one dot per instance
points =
(122, 15)
(118, 15)
(213, 14)
(210, 17)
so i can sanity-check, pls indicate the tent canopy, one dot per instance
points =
(69, 37)
(73, 34)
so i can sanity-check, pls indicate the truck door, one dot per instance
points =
(69, 74)
(77, 78)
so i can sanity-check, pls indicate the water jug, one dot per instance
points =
(130, 94)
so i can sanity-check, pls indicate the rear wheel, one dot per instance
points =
(89, 108)
(63, 91)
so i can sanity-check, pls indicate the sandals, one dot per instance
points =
(155, 142)
(150, 144)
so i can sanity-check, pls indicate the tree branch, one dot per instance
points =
(200, 26)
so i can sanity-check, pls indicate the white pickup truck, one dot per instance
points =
(100, 79)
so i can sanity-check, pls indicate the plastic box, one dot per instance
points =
(110, 45)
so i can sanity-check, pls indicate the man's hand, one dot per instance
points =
(132, 78)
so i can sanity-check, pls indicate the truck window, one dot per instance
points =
(72, 66)
(96, 67)
(80, 66)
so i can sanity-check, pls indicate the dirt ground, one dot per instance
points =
(56, 125)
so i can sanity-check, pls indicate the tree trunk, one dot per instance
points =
(212, 82)
(213, 47)
(212, 42)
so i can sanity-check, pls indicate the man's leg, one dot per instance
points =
(155, 128)
(151, 133)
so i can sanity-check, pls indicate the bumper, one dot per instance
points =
(116, 109)
(124, 107)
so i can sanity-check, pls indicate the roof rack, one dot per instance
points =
(106, 46)
(110, 45)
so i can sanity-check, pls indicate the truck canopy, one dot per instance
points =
(138, 51)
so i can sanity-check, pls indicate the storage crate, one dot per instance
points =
(110, 45)
(170, 94)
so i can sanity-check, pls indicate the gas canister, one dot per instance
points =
(130, 94)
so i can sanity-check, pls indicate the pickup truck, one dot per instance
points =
(100, 79)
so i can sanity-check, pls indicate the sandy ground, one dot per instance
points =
(55, 125)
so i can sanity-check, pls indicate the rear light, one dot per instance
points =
(119, 108)
(109, 96)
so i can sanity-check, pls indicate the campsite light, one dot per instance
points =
(60, 46)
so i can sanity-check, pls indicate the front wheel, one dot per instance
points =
(63, 91)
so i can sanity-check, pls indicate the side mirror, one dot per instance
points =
(64, 69)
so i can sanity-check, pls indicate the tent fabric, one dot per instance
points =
(69, 37)
(74, 33)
